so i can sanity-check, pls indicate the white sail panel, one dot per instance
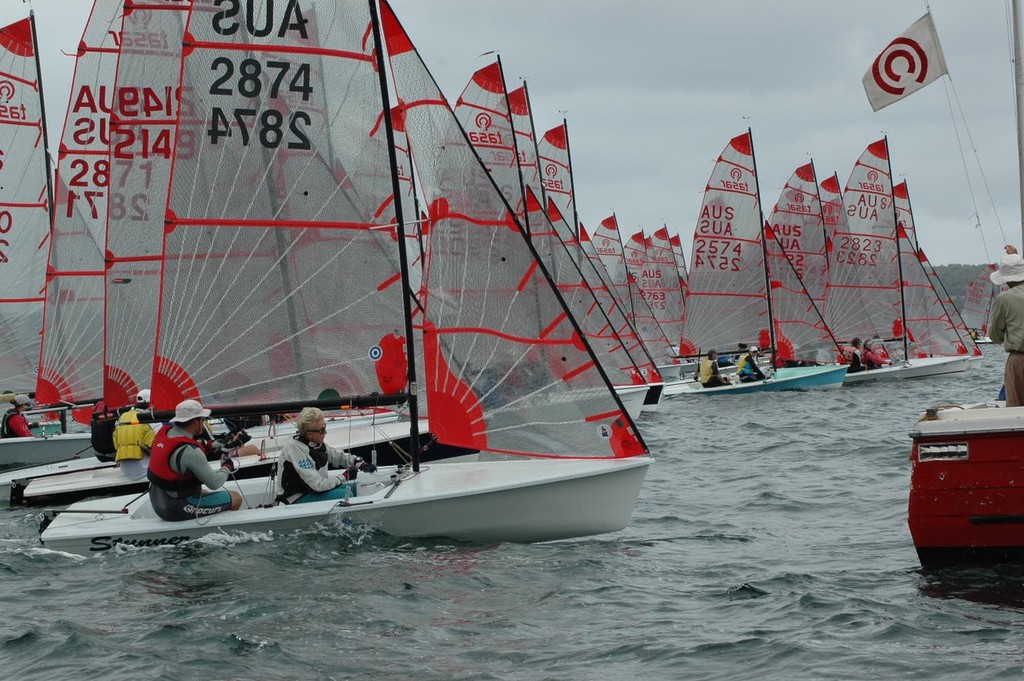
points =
(726, 302)
(863, 293)
(71, 369)
(281, 218)
(797, 270)
(24, 209)
(661, 284)
(978, 300)
(931, 330)
(142, 139)
(556, 170)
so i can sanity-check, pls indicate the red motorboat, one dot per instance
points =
(967, 486)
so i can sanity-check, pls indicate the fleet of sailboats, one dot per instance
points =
(262, 218)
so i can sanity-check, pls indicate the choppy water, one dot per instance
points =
(770, 542)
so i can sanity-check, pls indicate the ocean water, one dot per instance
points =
(769, 542)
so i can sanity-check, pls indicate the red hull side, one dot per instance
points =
(967, 497)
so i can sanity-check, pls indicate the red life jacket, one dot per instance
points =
(160, 472)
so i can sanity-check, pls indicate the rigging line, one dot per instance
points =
(948, 85)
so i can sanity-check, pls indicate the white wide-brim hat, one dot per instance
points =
(1011, 268)
(188, 410)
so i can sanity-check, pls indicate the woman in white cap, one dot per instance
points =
(14, 422)
(1006, 324)
(178, 469)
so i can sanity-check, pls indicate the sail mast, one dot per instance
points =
(764, 248)
(899, 260)
(42, 116)
(1018, 88)
(403, 257)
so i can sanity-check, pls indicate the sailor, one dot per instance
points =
(178, 469)
(14, 422)
(851, 355)
(709, 375)
(302, 469)
(1006, 323)
(747, 368)
(134, 440)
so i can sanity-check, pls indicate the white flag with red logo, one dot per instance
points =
(906, 65)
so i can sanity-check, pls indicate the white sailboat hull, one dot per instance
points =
(918, 367)
(633, 398)
(18, 452)
(828, 377)
(492, 501)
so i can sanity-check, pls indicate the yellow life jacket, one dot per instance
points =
(131, 438)
(707, 370)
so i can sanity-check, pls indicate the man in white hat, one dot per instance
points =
(1006, 324)
(14, 422)
(178, 469)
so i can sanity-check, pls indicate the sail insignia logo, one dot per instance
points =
(9, 111)
(483, 121)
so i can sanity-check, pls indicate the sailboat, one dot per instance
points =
(867, 279)
(25, 214)
(977, 307)
(733, 282)
(507, 371)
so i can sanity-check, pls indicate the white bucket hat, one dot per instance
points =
(143, 396)
(22, 400)
(1011, 269)
(188, 410)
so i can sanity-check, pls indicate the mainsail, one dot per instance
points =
(931, 329)
(24, 207)
(661, 282)
(797, 270)
(726, 302)
(503, 369)
(271, 290)
(142, 137)
(485, 113)
(864, 297)
(556, 171)
(978, 300)
(71, 368)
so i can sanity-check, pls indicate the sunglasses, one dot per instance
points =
(322, 431)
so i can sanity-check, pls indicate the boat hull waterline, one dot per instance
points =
(919, 367)
(790, 378)
(516, 501)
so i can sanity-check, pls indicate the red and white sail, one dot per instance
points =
(978, 298)
(71, 369)
(658, 280)
(504, 371)
(726, 302)
(24, 208)
(931, 328)
(608, 244)
(483, 112)
(680, 258)
(797, 271)
(526, 140)
(279, 277)
(142, 126)
(482, 103)
(863, 294)
(556, 170)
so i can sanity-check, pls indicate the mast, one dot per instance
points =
(764, 249)
(572, 180)
(403, 258)
(515, 149)
(1018, 89)
(899, 260)
(42, 118)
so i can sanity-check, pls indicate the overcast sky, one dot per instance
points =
(654, 89)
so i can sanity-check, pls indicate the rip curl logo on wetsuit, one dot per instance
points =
(202, 510)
